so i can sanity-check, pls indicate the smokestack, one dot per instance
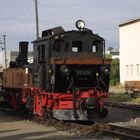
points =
(23, 53)
(23, 48)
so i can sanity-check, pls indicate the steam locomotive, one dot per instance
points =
(68, 79)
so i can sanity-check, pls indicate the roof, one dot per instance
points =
(60, 31)
(131, 21)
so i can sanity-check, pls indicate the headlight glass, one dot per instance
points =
(80, 24)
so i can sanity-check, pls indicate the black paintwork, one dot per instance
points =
(57, 44)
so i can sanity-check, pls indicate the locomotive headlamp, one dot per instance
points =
(105, 70)
(64, 69)
(97, 74)
(80, 24)
(50, 71)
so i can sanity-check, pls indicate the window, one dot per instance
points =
(76, 46)
(74, 49)
(93, 48)
(41, 53)
(60, 46)
(97, 46)
(57, 45)
(137, 69)
(131, 70)
(127, 70)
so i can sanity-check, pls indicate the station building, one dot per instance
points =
(114, 53)
(129, 36)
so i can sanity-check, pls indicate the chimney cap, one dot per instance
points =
(23, 43)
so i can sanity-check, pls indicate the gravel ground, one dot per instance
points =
(16, 128)
(127, 117)
(12, 128)
(123, 117)
(117, 89)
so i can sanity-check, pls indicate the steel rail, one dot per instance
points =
(123, 105)
(122, 132)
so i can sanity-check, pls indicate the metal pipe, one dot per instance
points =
(4, 43)
(74, 104)
(37, 21)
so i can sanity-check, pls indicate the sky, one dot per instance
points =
(17, 18)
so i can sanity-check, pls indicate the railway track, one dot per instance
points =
(87, 130)
(123, 105)
(122, 132)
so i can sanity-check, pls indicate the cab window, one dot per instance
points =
(41, 53)
(76, 46)
(57, 46)
(60, 46)
(96, 47)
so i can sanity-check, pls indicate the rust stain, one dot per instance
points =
(79, 61)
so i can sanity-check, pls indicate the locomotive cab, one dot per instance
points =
(66, 60)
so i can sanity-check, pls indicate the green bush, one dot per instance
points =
(115, 72)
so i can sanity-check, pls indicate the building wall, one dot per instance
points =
(2, 61)
(129, 36)
(115, 54)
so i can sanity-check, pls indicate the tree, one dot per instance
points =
(115, 72)
(110, 48)
(108, 55)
